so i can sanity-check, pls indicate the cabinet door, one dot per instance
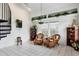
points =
(70, 35)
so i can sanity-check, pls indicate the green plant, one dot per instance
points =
(18, 23)
(57, 15)
(75, 46)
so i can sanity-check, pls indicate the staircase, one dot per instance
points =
(5, 21)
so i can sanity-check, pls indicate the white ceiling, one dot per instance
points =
(49, 7)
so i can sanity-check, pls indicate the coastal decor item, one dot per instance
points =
(18, 23)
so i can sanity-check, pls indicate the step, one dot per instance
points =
(4, 33)
(1, 20)
(5, 25)
(5, 29)
(3, 37)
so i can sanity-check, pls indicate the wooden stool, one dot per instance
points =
(19, 41)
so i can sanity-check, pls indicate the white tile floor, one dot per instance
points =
(28, 49)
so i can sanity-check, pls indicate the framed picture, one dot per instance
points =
(18, 23)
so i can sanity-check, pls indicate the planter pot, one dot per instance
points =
(76, 49)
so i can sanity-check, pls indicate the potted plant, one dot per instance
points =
(75, 45)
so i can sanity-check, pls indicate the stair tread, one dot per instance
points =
(5, 25)
(1, 20)
(4, 33)
(5, 29)
(2, 28)
(3, 36)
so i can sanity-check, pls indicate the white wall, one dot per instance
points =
(65, 21)
(0, 11)
(17, 13)
(48, 8)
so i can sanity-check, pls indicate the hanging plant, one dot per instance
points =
(41, 22)
(74, 12)
(64, 13)
(51, 15)
(57, 15)
(18, 23)
(33, 18)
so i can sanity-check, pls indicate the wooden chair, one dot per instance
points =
(46, 42)
(39, 39)
(54, 41)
